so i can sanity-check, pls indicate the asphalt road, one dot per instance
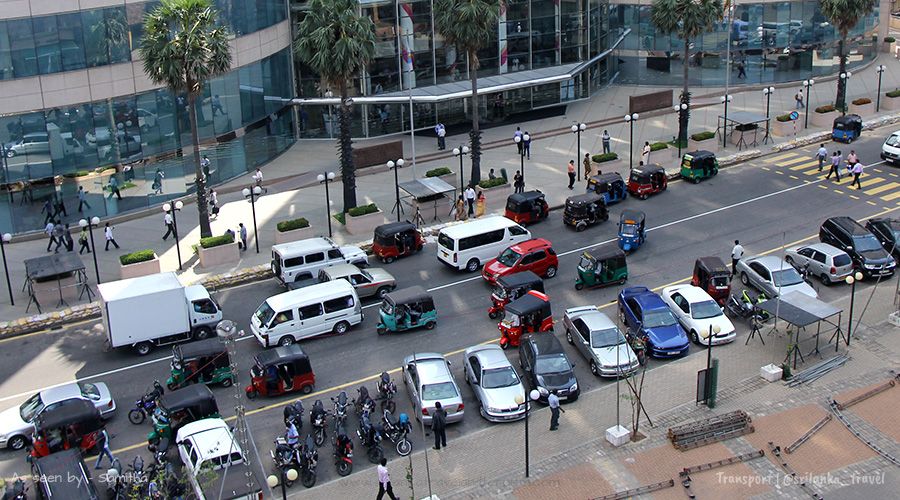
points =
(760, 207)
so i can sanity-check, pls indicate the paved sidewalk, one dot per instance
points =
(294, 192)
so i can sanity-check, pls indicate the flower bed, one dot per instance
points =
(292, 230)
(140, 263)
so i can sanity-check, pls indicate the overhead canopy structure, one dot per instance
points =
(51, 267)
(428, 189)
(743, 122)
(801, 310)
(65, 269)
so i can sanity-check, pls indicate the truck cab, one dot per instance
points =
(214, 462)
(204, 312)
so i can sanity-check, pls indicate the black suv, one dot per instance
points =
(547, 367)
(888, 233)
(862, 246)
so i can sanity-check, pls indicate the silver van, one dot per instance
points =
(826, 262)
(35, 142)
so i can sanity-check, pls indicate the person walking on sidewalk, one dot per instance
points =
(553, 401)
(519, 144)
(587, 166)
(48, 230)
(384, 481)
(645, 153)
(441, 132)
(571, 171)
(857, 171)
(59, 235)
(48, 211)
(605, 137)
(105, 450)
(438, 426)
(114, 188)
(242, 231)
(835, 166)
(83, 241)
(214, 203)
(526, 143)
(170, 227)
(821, 155)
(82, 199)
(799, 99)
(736, 253)
(157, 185)
(107, 231)
(67, 240)
(479, 205)
(258, 179)
(459, 209)
(470, 199)
(60, 204)
(518, 183)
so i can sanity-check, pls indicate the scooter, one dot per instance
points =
(285, 457)
(343, 452)
(309, 460)
(318, 419)
(397, 431)
(370, 436)
(386, 389)
(744, 307)
(144, 407)
(293, 413)
(340, 408)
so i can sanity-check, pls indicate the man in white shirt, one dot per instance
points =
(258, 179)
(736, 253)
(170, 227)
(107, 231)
(821, 155)
(553, 402)
(48, 230)
(384, 481)
(470, 199)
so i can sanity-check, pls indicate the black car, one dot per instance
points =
(546, 366)
(63, 475)
(863, 247)
(888, 233)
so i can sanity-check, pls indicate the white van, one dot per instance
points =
(471, 244)
(291, 316)
(302, 260)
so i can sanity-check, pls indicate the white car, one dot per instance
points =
(216, 465)
(890, 150)
(697, 312)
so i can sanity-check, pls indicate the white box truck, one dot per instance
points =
(156, 310)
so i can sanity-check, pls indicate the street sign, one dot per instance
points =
(794, 115)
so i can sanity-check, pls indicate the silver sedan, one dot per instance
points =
(772, 276)
(428, 380)
(495, 383)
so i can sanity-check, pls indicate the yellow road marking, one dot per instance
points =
(882, 188)
(892, 174)
(807, 164)
(812, 171)
(780, 157)
(871, 203)
(878, 170)
(891, 197)
(871, 180)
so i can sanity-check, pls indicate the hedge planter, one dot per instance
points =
(218, 255)
(784, 129)
(363, 225)
(824, 120)
(890, 103)
(495, 197)
(293, 235)
(862, 109)
(144, 268)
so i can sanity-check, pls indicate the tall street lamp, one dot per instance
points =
(95, 222)
(577, 129)
(517, 139)
(879, 69)
(531, 396)
(395, 166)
(844, 79)
(6, 238)
(680, 108)
(851, 280)
(630, 119)
(807, 84)
(460, 152)
(326, 178)
(171, 209)
(768, 91)
(252, 195)
(725, 99)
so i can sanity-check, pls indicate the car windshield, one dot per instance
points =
(552, 363)
(264, 314)
(705, 309)
(893, 140)
(658, 318)
(437, 392)
(606, 338)
(31, 408)
(509, 257)
(866, 243)
(500, 292)
(89, 391)
(628, 229)
(499, 377)
(786, 277)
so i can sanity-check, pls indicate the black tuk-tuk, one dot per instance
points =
(847, 128)
(75, 424)
(280, 370)
(406, 309)
(714, 277)
(180, 407)
(510, 287)
(204, 361)
(699, 165)
(63, 475)
(610, 186)
(527, 207)
(585, 210)
(646, 180)
(395, 240)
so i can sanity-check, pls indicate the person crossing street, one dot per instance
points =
(857, 171)
(821, 155)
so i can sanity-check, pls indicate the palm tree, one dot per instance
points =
(337, 42)
(469, 25)
(844, 15)
(686, 19)
(184, 48)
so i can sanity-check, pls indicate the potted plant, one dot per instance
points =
(703, 141)
(889, 44)
(292, 230)
(139, 263)
(495, 191)
(217, 250)
(862, 107)
(892, 100)
(824, 116)
(783, 126)
(445, 174)
(363, 220)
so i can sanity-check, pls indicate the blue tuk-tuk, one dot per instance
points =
(631, 230)
(847, 128)
(610, 186)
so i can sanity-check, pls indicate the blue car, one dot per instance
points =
(645, 313)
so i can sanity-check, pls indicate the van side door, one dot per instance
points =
(311, 320)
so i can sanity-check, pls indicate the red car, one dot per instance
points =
(535, 255)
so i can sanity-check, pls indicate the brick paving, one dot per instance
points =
(881, 411)
(579, 482)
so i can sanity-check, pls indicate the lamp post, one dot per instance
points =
(577, 129)
(286, 475)
(95, 221)
(395, 166)
(768, 91)
(879, 69)
(713, 330)
(325, 179)
(517, 139)
(725, 99)
(460, 152)
(680, 108)
(6, 238)
(845, 78)
(527, 399)
(170, 209)
(807, 84)
(252, 194)
(851, 280)
(630, 119)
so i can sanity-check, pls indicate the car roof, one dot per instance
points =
(545, 343)
(690, 292)
(477, 226)
(649, 301)
(490, 356)
(824, 248)
(525, 196)
(770, 262)
(288, 299)
(849, 225)
(596, 320)
(61, 393)
(341, 270)
(303, 246)
(433, 370)
(529, 245)
(215, 433)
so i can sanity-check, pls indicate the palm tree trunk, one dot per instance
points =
(475, 133)
(684, 115)
(202, 206)
(840, 101)
(345, 145)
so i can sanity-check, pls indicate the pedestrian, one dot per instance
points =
(605, 137)
(553, 401)
(587, 166)
(491, 175)
(68, 241)
(384, 481)
(217, 105)
(460, 209)
(58, 235)
(570, 169)
(48, 230)
(645, 153)
(214, 202)
(736, 253)
(170, 227)
(48, 210)
(742, 73)
(258, 179)
(821, 154)
(83, 241)
(526, 143)
(470, 199)
(438, 426)
(105, 450)
(799, 99)
(157, 181)
(204, 164)
(113, 187)
(442, 136)
(243, 232)
(857, 171)
(852, 160)
(107, 231)
(82, 198)
(519, 144)
(60, 205)
(479, 204)
(518, 183)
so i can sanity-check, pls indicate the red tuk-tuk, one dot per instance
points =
(279, 371)
(75, 424)
(527, 207)
(529, 313)
(395, 240)
(511, 287)
(711, 274)
(646, 180)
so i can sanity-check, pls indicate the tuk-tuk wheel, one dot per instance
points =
(430, 325)
(306, 389)
(696, 180)
(581, 226)
(171, 386)
(579, 286)
(227, 382)
(381, 330)
(643, 196)
(494, 314)
(252, 394)
(388, 260)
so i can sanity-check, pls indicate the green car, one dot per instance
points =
(607, 267)
(205, 361)
(407, 309)
(180, 407)
(698, 165)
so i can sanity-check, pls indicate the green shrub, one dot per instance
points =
(437, 172)
(828, 108)
(893, 93)
(604, 157)
(656, 146)
(861, 101)
(362, 210)
(489, 183)
(702, 136)
(784, 118)
(135, 257)
(889, 39)
(289, 225)
(340, 218)
(216, 241)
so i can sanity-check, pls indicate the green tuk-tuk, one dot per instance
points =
(699, 165)
(179, 408)
(606, 267)
(406, 309)
(204, 361)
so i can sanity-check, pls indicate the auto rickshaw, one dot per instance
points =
(204, 361)
(711, 274)
(75, 424)
(699, 165)
(585, 210)
(528, 314)
(610, 186)
(646, 180)
(279, 371)
(178, 408)
(510, 287)
(527, 208)
(407, 309)
(847, 128)
(395, 240)
(607, 267)
(632, 232)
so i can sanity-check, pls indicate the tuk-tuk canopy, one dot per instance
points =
(699, 156)
(293, 354)
(848, 122)
(712, 266)
(64, 464)
(606, 252)
(635, 217)
(519, 280)
(583, 200)
(199, 349)
(604, 179)
(529, 303)
(386, 232)
(527, 199)
(76, 411)
(645, 172)
(196, 395)
(411, 295)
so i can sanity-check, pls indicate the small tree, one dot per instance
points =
(844, 15)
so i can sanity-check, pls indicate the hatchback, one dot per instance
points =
(825, 262)
(35, 142)
(535, 255)
(772, 276)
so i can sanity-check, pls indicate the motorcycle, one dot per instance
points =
(744, 307)
(309, 460)
(144, 407)
(343, 451)
(363, 402)
(386, 389)
(15, 490)
(397, 431)
(370, 437)
(285, 457)
(340, 408)
(318, 419)
(293, 413)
